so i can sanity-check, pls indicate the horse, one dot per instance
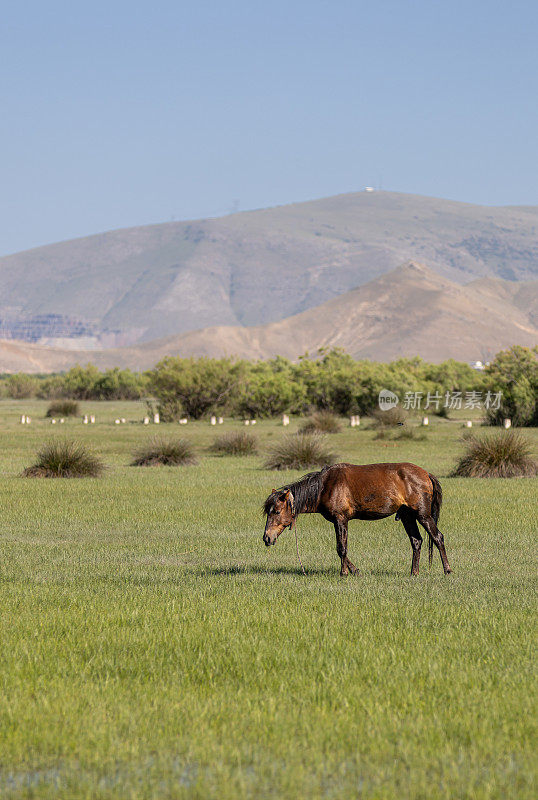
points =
(370, 491)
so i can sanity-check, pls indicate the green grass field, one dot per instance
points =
(151, 646)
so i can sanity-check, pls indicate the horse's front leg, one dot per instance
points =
(340, 527)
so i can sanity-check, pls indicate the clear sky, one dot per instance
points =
(125, 113)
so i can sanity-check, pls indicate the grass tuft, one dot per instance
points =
(167, 451)
(409, 433)
(237, 443)
(300, 451)
(388, 419)
(64, 458)
(63, 408)
(505, 454)
(322, 422)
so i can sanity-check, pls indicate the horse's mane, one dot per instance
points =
(305, 491)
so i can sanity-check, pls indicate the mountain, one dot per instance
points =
(134, 285)
(409, 311)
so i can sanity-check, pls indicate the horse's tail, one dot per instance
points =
(437, 501)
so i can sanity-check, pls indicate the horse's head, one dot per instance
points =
(280, 510)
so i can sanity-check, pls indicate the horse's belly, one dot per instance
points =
(373, 514)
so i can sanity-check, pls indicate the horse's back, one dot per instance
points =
(373, 491)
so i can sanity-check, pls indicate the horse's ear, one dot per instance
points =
(291, 500)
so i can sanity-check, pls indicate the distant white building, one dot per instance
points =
(479, 365)
(368, 188)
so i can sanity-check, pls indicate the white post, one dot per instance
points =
(85, 419)
(220, 420)
(116, 422)
(247, 422)
(123, 420)
(469, 423)
(507, 423)
(425, 421)
(285, 420)
(62, 421)
(23, 419)
(252, 421)
(92, 419)
(146, 420)
(28, 420)
(156, 419)
(53, 422)
(213, 420)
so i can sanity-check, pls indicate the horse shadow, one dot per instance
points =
(253, 569)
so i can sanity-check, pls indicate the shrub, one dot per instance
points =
(504, 454)
(63, 458)
(193, 387)
(236, 444)
(389, 418)
(159, 450)
(299, 451)
(21, 386)
(513, 376)
(63, 408)
(322, 422)
(383, 432)
(410, 433)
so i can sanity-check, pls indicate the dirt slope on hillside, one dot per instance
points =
(410, 311)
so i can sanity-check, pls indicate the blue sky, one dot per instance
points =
(126, 113)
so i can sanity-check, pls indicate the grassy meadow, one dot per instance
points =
(152, 647)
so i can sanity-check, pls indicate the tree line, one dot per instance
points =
(330, 380)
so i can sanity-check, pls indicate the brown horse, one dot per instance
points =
(373, 491)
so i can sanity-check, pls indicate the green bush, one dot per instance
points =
(299, 451)
(238, 443)
(409, 433)
(63, 408)
(390, 418)
(514, 373)
(193, 387)
(322, 422)
(504, 454)
(63, 458)
(21, 386)
(167, 451)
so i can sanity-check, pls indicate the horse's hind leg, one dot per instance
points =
(411, 528)
(429, 525)
(340, 527)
